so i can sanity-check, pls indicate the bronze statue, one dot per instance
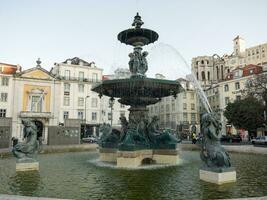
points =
(29, 149)
(212, 153)
(138, 62)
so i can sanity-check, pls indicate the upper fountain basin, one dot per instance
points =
(138, 36)
(138, 90)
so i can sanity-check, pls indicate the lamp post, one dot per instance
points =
(85, 113)
(111, 103)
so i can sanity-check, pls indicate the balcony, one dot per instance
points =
(79, 79)
(31, 114)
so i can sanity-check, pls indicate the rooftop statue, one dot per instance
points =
(212, 153)
(27, 151)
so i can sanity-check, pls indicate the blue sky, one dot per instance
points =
(55, 30)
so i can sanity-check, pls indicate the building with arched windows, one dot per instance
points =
(213, 69)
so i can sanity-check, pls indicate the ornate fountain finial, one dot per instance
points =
(38, 63)
(137, 21)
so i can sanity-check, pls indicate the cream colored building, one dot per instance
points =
(220, 94)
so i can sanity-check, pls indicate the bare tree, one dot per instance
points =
(257, 87)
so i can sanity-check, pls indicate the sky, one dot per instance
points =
(55, 30)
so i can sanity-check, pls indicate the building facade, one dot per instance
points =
(213, 69)
(181, 112)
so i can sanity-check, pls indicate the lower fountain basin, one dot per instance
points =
(82, 176)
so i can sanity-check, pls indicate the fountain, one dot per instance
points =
(140, 141)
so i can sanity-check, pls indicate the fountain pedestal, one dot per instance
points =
(166, 156)
(108, 154)
(27, 166)
(219, 178)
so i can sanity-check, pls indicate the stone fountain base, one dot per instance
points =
(134, 159)
(218, 177)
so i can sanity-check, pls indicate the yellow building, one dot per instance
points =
(36, 96)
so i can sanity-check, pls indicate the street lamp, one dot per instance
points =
(111, 103)
(85, 113)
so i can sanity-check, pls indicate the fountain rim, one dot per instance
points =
(150, 35)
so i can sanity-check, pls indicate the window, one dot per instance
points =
(81, 87)
(67, 74)
(162, 108)
(94, 116)
(173, 107)
(202, 62)
(238, 97)
(262, 50)
(226, 88)
(36, 104)
(5, 81)
(184, 106)
(65, 115)
(208, 75)
(192, 96)
(237, 85)
(3, 97)
(122, 106)
(203, 75)
(94, 102)
(95, 77)
(167, 108)
(80, 114)
(109, 116)
(80, 101)
(184, 95)
(66, 87)
(193, 117)
(2, 112)
(122, 113)
(81, 76)
(192, 106)
(66, 101)
(227, 100)
(185, 116)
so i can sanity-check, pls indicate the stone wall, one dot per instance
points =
(63, 135)
(5, 132)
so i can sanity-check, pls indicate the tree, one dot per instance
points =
(246, 114)
(257, 87)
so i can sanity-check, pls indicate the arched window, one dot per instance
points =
(197, 75)
(228, 70)
(217, 72)
(222, 72)
(203, 75)
(208, 75)
(207, 62)
(202, 61)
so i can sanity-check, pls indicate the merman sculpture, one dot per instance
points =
(212, 153)
(27, 151)
(217, 168)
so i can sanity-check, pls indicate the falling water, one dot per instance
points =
(160, 50)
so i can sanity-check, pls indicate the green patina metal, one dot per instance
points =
(138, 91)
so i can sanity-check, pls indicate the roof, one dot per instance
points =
(8, 64)
(238, 37)
(76, 61)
